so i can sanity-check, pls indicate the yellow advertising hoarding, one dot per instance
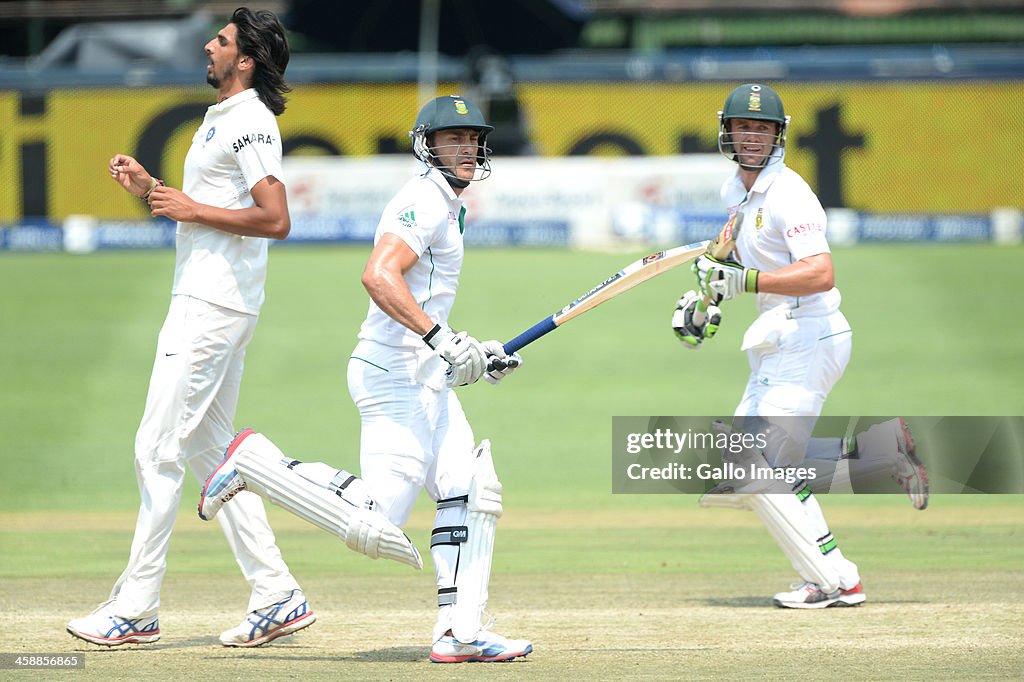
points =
(886, 146)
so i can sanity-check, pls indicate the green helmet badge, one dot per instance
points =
(754, 101)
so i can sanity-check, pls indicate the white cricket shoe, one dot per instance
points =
(910, 472)
(808, 595)
(287, 616)
(488, 647)
(104, 628)
(224, 482)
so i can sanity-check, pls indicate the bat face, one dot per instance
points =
(625, 279)
(603, 285)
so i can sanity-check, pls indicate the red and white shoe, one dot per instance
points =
(105, 628)
(488, 647)
(224, 482)
(910, 472)
(287, 616)
(808, 595)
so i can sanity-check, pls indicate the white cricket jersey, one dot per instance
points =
(783, 222)
(429, 217)
(237, 145)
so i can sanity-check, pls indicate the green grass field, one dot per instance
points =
(607, 586)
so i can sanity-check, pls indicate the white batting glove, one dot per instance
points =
(723, 280)
(690, 334)
(464, 354)
(499, 363)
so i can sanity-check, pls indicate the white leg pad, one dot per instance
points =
(717, 499)
(475, 563)
(264, 468)
(784, 518)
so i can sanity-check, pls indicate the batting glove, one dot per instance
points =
(499, 363)
(464, 354)
(724, 280)
(690, 334)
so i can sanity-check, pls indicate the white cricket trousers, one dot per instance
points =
(190, 409)
(413, 438)
(792, 377)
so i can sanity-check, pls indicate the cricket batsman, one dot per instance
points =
(798, 347)
(402, 376)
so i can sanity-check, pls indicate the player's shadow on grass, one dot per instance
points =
(737, 602)
(210, 641)
(396, 654)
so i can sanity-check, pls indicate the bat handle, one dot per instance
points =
(700, 313)
(532, 334)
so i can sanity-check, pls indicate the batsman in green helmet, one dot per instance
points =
(451, 112)
(753, 102)
(797, 348)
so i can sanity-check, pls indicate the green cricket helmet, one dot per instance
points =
(445, 113)
(754, 102)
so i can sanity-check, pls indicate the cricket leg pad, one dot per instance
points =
(266, 472)
(784, 518)
(484, 510)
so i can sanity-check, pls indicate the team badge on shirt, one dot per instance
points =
(759, 220)
(210, 133)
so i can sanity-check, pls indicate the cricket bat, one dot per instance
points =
(719, 249)
(622, 281)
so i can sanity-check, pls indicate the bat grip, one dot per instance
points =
(532, 334)
(700, 312)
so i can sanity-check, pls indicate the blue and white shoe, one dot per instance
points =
(489, 647)
(106, 629)
(267, 624)
(224, 482)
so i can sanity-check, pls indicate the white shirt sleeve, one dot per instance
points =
(258, 153)
(416, 224)
(805, 224)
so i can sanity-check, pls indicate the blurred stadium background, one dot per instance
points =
(904, 112)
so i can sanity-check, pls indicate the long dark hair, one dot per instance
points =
(261, 37)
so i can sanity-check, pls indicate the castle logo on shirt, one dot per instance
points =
(251, 138)
(408, 218)
(805, 229)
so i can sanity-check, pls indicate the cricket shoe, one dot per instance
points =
(286, 617)
(488, 647)
(808, 595)
(106, 629)
(910, 472)
(224, 482)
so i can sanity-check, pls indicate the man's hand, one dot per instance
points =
(723, 280)
(174, 204)
(130, 174)
(691, 335)
(465, 354)
(499, 363)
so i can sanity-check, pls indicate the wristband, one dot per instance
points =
(750, 281)
(156, 183)
(429, 336)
